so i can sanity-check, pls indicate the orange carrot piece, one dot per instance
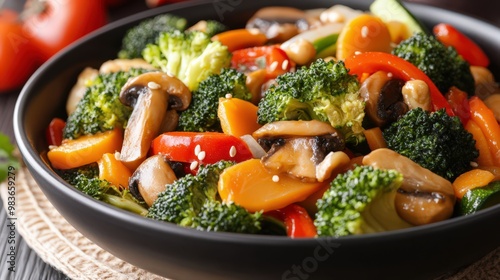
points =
(374, 138)
(237, 117)
(470, 180)
(114, 171)
(495, 170)
(252, 186)
(485, 157)
(241, 38)
(485, 119)
(85, 150)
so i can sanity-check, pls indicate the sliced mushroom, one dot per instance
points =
(384, 101)
(298, 147)
(79, 88)
(149, 95)
(151, 178)
(484, 81)
(169, 122)
(424, 196)
(493, 102)
(116, 65)
(279, 23)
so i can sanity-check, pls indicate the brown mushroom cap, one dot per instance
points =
(149, 95)
(151, 178)
(424, 197)
(383, 97)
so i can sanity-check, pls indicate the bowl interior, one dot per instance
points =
(44, 97)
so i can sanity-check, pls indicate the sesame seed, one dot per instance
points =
(273, 66)
(170, 74)
(51, 147)
(117, 155)
(357, 52)
(232, 151)
(193, 165)
(364, 31)
(254, 31)
(153, 85)
(389, 75)
(284, 65)
(202, 155)
(228, 95)
(276, 178)
(474, 164)
(197, 150)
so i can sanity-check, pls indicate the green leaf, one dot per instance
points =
(7, 160)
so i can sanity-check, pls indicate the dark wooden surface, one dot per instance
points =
(29, 265)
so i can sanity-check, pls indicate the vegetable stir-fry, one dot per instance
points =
(303, 123)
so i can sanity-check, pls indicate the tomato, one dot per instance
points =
(18, 56)
(213, 147)
(470, 51)
(297, 221)
(272, 58)
(54, 24)
(54, 132)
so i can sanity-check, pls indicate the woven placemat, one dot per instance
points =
(63, 247)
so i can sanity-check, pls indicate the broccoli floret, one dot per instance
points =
(324, 91)
(360, 201)
(444, 66)
(147, 32)
(217, 216)
(202, 112)
(435, 141)
(191, 56)
(86, 179)
(100, 109)
(192, 201)
(210, 27)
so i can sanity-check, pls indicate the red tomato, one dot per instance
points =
(61, 22)
(18, 56)
(213, 147)
(470, 51)
(271, 58)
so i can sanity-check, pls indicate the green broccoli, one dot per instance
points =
(435, 141)
(444, 66)
(191, 201)
(360, 201)
(100, 109)
(210, 27)
(323, 91)
(86, 179)
(147, 32)
(202, 112)
(190, 56)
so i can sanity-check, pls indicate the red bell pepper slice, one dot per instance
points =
(459, 101)
(213, 147)
(297, 221)
(54, 132)
(371, 62)
(468, 49)
(272, 58)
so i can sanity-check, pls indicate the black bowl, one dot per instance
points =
(181, 253)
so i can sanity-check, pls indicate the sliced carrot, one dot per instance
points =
(485, 119)
(364, 33)
(495, 170)
(114, 171)
(237, 117)
(485, 158)
(374, 138)
(241, 38)
(252, 186)
(470, 180)
(86, 149)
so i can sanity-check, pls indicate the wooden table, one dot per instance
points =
(29, 265)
